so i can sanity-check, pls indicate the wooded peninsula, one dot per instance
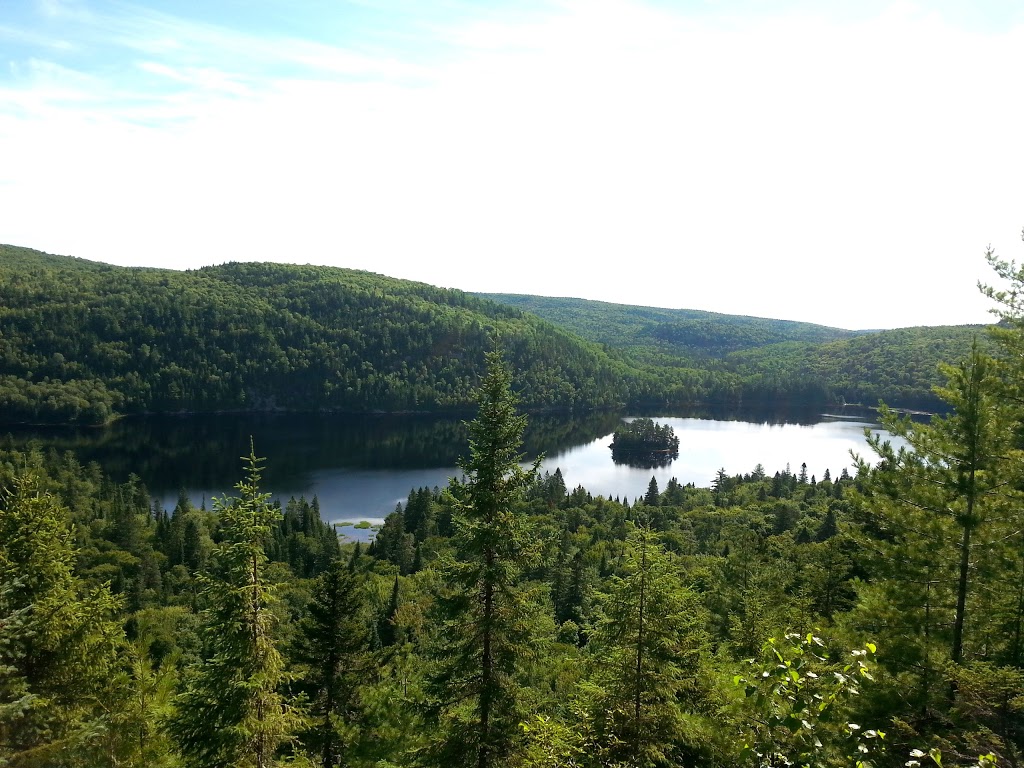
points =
(871, 618)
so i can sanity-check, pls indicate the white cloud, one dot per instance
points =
(789, 166)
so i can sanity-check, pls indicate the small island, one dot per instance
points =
(644, 443)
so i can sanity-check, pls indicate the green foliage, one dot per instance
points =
(898, 366)
(644, 441)
(934, 756)
(303, 540)
(935, 519)
(488, 618)
(686, 333)
(552, 744)
(330, 659)
(796, 706)
(59, 639)
(757, 361)
(139, 702)
(230, 711)
(647, 654)
(82, 342)
(442, 647)
(16, 698)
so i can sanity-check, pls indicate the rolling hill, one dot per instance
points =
(768, 360)
(84, 342)
(687, 333)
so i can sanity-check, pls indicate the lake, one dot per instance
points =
(361, 467)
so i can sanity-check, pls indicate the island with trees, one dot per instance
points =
(643, 442)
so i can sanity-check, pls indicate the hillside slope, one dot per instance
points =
(758, 361)
(898, 366)
(81, 341)
(686, 333)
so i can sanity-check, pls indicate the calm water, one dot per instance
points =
(361, 467)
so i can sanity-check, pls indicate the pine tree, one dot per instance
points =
(230, 711)
(489, 620)
(139, 702)
(1008, 611)
(935, 513)
(387, 630)
(16, 698)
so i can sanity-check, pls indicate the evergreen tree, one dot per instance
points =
(330, 654)
(674, 494)
(647, 659)
(140, 701)
(58, 639)
(387, 629)
(230, 711)
(16, 698)
(487, 637)
(828, 528)
(652, 498)
(1008, 611)
(393, 544)
(721, 486)
(936, 513)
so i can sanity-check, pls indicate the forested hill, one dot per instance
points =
(81, 341)
(687, 333)
(768, 361)
(899, 366)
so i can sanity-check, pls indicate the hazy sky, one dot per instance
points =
(842, 163)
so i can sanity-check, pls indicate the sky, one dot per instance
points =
(831, 162)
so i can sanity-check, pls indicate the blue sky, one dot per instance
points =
(840, 163)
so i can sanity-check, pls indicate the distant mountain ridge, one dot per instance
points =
(690, 333)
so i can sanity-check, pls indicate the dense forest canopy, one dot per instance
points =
(899, 366)
(84, 342)
(770, 359)
(870, 620)
(686, 332)
(507, 620)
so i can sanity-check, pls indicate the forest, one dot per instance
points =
(769, 360)
(83, 342)
(872, 618)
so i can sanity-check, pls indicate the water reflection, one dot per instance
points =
(360, 467)
(706, 445)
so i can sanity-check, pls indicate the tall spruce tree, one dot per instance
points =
(647, 659)
(230, 711)
(330, 654)
(489, 620)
